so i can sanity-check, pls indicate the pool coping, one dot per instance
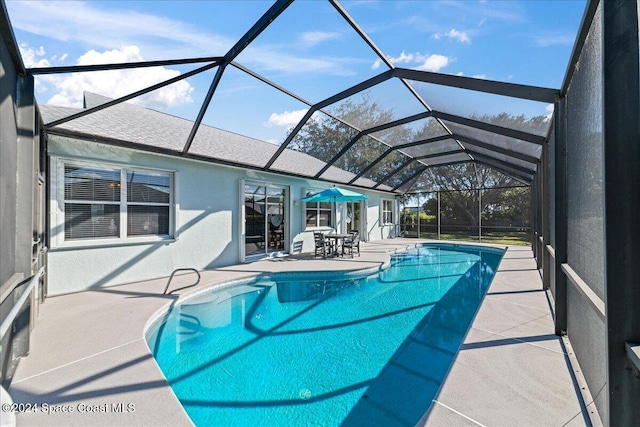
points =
(67, 368)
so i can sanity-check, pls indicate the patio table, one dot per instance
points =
(338, 238)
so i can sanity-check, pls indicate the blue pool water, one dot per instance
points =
(324, 349)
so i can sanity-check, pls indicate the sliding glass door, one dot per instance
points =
(265, 220)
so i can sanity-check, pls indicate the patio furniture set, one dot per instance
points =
(333, 245)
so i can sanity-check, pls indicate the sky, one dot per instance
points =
(309, 49)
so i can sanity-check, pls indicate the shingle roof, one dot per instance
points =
(140, 125)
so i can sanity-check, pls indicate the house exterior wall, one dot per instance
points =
(208, 219)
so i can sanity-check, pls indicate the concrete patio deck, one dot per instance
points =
(88, 353)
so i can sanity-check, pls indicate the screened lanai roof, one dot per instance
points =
(136, 127)
(374, 119)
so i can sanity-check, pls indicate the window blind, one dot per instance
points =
(95, 203)
(91, 184)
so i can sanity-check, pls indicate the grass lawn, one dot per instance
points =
(521, 238)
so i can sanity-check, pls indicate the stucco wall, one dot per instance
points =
(207, 220)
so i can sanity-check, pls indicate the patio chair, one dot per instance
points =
(322, 245)
(353, 243)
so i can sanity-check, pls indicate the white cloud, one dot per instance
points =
(418, 61)
(546, 40)
(61, 59)
(549, 108)
(116, 83)
(454, 34)
(312, 38)
(404, 58)
(288, 118)
(272, 58)
(109, 27)
(461, 36)
(507, 11)
(480, 76)
(93, 25)
(33, 58)
(434, 63)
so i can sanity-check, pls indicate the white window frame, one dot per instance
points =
(390, 211)
(305, 208)
(58, 220)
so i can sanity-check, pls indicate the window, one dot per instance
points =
(319, 214)
(387, 212)
(148, 203)
(91, 202)
(107, 203)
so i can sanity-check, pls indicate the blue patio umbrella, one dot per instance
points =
(334, 194)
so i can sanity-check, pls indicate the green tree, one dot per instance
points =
(508, 207)
(459, 197)
(323, 137)
(460, 206)
(430, 207)
(538, 125)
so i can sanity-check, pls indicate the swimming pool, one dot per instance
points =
(321, 348)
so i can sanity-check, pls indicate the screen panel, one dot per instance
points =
(301, 54)
(410, 132)
(585, 209)
(321, 137)
(502, 141)
(513, 113)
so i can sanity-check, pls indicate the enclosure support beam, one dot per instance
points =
(120, 66)
(526, 180)
(534, 219)
(203, 108)
(25, 122)
(480, 214)
(322, 104)
(393, 172)
(585, 25)
(494, 148)
(418, 212)
(532, 93)
(269, 16)
(544, 169)
(537, 208)
(561, 223)
(621, 96)
(396, 148)
(438, 214)
(418, 172)
(125, 98)
(516, 168)
(488, 127)
(368, 131)
(25, 152)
